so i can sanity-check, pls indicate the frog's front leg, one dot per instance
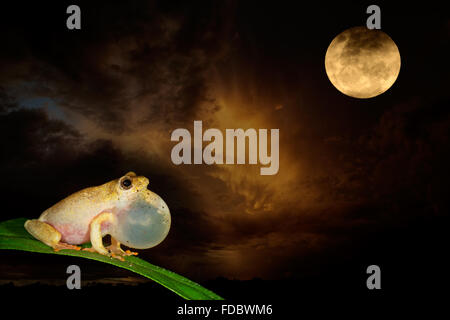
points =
(117, 251)
(47, 234)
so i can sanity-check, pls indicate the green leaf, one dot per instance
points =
(14, 236)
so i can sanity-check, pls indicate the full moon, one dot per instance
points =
(362, 63)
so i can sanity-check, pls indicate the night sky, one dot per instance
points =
(361, 181)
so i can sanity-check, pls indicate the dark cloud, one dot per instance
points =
(146, 52)
(362, 39)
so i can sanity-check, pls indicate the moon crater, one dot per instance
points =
(362, 63)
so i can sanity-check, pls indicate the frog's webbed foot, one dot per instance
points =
(113, 251)
(62, 245)
(117, 252)
(120, 254)
(130, 253)
(108, 253)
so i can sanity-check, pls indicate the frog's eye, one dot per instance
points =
(126, 183)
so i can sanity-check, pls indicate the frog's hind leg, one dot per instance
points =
(47, 234)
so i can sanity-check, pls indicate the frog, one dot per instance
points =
(123, 208)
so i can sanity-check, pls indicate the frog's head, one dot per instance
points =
(143, 218)
(130, 184)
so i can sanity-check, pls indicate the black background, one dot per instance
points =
(412, 253)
